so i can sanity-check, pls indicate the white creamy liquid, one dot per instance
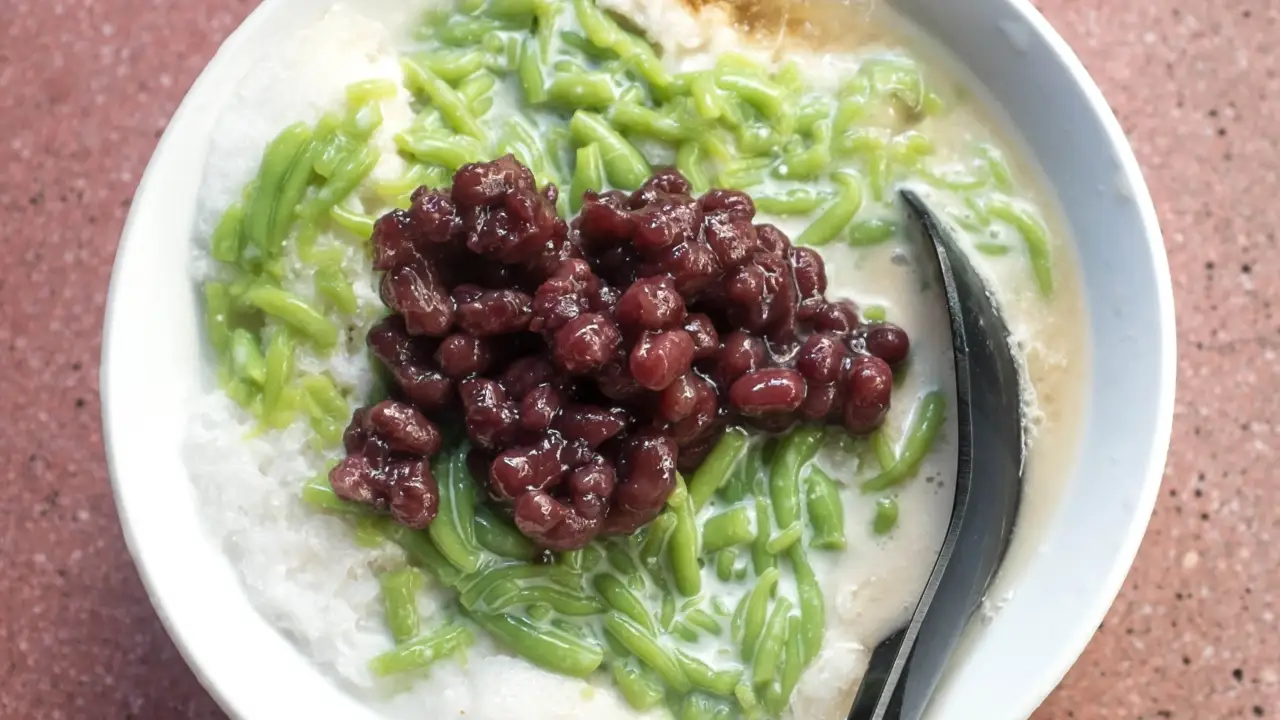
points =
(308, 577)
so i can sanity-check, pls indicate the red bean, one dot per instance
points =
(867, 394)
(670, 220)
(540, 408)
(730, 201)
(679, 399)
(651, 303)
(535, 467)
(771, 240)
(494, 312)
(697, 423)
(435, 216)
(591, 424)
(564, 296)
(740, 354)
(603, 221)
(591, 485)
(692, 454)
(667, 181)
(492, 423)
(417, 294)
(769, 391)
(403, 428)
(461, 355)
(659, 358)
(481, 392)
(706, 341)
(646, 476)
(516, 231)
(840, 317)
(412, 494)
(750, 290)
(488, 183)
(393, 240)
(525, 374)
(731, 237)
(693, 266)
(357, 432)
(811, 272)
(585, 343)
(821, 357)
(820, 402)
(887, 342)
(552, 524)
(615, 382)
(351, 480)
(410, 361)
(500, 306)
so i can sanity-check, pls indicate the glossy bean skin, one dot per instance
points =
(887, 342)
(658, 358)
(768, 391)
(868, 390)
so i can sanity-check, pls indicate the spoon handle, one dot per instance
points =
(906, 668)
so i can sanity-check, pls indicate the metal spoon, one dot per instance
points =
(905, 669)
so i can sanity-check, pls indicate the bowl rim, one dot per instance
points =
(1129, 172)
(1130, 175)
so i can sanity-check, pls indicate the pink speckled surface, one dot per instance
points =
(87, 86)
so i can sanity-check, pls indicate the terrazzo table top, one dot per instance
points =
(86, 87)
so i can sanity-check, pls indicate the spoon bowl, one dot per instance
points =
(905, 669)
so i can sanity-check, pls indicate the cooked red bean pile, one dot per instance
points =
(587, 362)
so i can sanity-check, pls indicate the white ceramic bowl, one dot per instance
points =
(151, 370)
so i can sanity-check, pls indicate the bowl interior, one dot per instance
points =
(1050, 606)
